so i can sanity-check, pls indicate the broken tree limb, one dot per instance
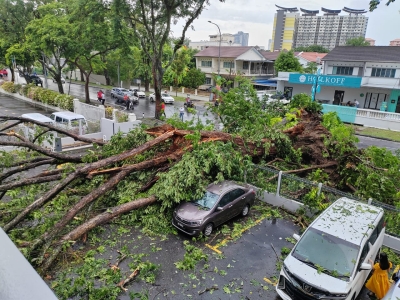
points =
(10, 126)
(39, 135)
(213, 288)
(40, 201)
(54, 128)
(101, 190)
(47, 161)
(29, 181)
(81, 171)
(102, 218)
(48, 173)
(49, 153)
(26, 161)
(127, 280)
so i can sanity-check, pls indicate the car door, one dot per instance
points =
(238, 201)
(361, 275)
(223, 209)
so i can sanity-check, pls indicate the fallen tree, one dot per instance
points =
(161, 166)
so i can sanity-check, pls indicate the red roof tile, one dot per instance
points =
(312, 56)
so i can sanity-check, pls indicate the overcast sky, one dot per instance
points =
(256, 17)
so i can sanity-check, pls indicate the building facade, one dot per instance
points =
(294, 29)
(233, 61)
(395, 42)
(241, 38)
(201, 45)
(370, 41)
(368, 75)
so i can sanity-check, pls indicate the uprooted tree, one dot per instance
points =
(57, 198)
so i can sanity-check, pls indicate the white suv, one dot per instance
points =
(330, 260)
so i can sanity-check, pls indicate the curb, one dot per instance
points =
(377, 138)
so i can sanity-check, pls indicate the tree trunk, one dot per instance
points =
(157, 79)
(87, 98)
(84, 170)
(28, 181)
(100, 219)
(146, 85)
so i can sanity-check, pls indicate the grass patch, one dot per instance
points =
(378, 133)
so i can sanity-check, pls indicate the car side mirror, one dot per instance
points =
(219, 208)
(365, 266)
(296, 237)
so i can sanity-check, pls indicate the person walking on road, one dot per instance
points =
(127, 102)
(181, 112)
(99, 95)
(103, 98)
(378, 283)
(163, 109)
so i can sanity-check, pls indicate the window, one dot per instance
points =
(226, 199)
(245, 65)
(342, 71)
(206, 63)
(237, 193)
(208, 80)
(228, 64)
(376, 232)
(379, 72)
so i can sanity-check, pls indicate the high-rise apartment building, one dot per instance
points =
(329, 30)
(241, 38)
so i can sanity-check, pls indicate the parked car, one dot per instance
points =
(204, 87)
(164, 96)
(36, 80)
(69, 121)
(119, 96)
(4, 72)
(62, 80)
(220, 203)
(115, 90)
(138, 93)
(330, 259)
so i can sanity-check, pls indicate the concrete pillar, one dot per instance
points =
(77, 106)
(114, 115)
(170, 89)
(195, 92)
(183, 90)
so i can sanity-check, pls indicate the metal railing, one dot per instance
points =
(295, 188)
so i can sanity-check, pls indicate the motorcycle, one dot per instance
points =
(189, 104)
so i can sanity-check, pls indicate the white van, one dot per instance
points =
(38, 117)
(330, 259)
(69, 121)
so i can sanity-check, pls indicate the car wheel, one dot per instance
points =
(208, 229)
(245, 210)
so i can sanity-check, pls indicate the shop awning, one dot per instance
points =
(280, 78)
(265, 82)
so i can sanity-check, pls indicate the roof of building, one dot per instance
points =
(273, 55)
(312, 56)
(364, 53)
(369, 39)
(395, 40)
(226, 51)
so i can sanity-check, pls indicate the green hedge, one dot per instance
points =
(40, 94)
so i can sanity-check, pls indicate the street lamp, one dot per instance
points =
(219, 47)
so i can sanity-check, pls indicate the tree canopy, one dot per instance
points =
(359, 41)
(312, 48)
(287, 62)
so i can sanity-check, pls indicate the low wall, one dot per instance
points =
(90, 112)
(110, 127)
(35, 103)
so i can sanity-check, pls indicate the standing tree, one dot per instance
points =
(178, 69)
(151, 21)
(359, 41)
(311, 48)
(194, 78)
(311, 68)
(373, 4)
(287, 62)
(141, 66)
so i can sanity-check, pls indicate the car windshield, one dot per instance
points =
(327, 253)
(207, 201)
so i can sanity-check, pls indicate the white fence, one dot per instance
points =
(90, 112)
(378, 119)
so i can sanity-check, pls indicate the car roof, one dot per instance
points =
(37, 117)
(348, 219)
(67, 114)
(223, 186)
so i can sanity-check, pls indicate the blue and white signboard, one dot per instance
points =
(326, 80)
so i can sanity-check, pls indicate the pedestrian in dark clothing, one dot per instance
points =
(103, 98)
(126, 99)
